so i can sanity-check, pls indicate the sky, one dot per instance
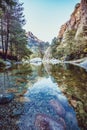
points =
(45, 17)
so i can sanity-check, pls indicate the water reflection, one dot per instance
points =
(72, 81)
(45, 105)
(48, 109)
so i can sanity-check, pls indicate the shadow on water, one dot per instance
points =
(39, 103)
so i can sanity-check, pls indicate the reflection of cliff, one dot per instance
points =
(48, 54)
(72, 81)
(48, 68)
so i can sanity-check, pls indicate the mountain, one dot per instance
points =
(36, 45)
(71, 42)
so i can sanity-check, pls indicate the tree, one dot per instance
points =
(13, 37)
(54, 44)
(69, 41)
(5, 6)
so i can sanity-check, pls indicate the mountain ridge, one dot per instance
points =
(36, 45)
(33, 37)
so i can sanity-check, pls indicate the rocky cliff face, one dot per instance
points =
(36, 45)
(83, 21)
(77, 21)
(33, 39)
(72, 38)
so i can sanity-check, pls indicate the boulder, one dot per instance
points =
(43, 122)
(6, 98)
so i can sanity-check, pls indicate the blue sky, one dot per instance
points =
(45, 17)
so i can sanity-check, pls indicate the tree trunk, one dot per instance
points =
(2, 39)
(7, 39)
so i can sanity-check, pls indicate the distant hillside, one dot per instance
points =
(37, 46)
(71, 42)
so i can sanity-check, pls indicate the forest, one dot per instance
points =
(13, 40)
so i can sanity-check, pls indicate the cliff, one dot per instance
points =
(71, 42)
(73, 22)
(33, 39)
(36, 45)
(77, 21)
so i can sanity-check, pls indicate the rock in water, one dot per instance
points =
(43, 122)
(6, 98)
(58, 107)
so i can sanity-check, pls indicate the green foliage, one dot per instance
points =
(55, 43)
(2, 63)
(85, 50)
(70, 34)
(19, 42)
(15, 42)
(75, 48)
(23, 69)
(34, 55)
(70, 48)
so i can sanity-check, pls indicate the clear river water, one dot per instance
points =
(46, 97)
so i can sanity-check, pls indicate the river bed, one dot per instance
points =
(47, 97)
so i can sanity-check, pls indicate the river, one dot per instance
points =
(47, 97)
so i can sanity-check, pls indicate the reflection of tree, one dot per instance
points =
(73, 82)
(41, 71)
(14, 79)
(5, 81)
(23, 69)
(5, 97)
(70, 76)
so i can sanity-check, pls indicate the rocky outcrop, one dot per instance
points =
(77, 21)
(33, 39)
(73, 23)
(82, 29)
(72, 37)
